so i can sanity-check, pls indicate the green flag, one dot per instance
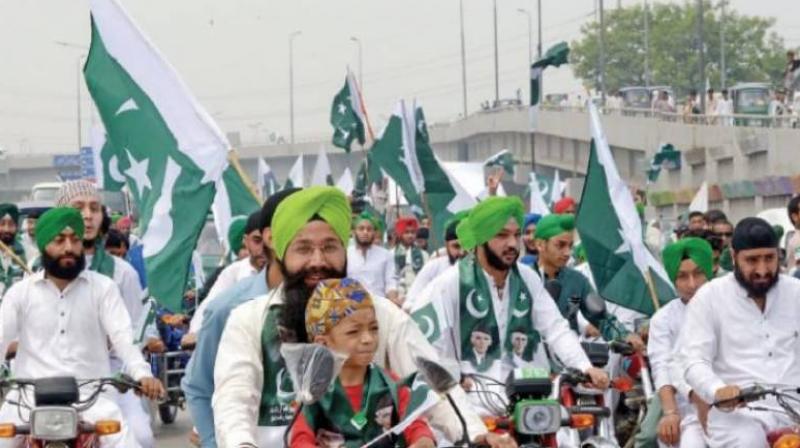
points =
(555, 56)
(611, 232)
(170, 151)
(106, 162)
(666, 157)
(322, 170)
(347, 115)
(233, 198)
(295, 178)
(503, 159)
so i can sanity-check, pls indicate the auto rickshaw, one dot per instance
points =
(750, 98)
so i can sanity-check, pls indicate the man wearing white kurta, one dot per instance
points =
(689, 264)
(371, 265)
(251, 402)
(238, 270)
(493, 294)
(740, 329)
(64, 318)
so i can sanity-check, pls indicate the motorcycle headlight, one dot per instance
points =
(533, 417)
(54, 423)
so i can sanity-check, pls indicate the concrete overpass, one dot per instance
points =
(748, 168)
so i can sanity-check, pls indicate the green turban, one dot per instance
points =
(554, 225)
(487, 218)
(294, 212)
(10, 210)
(236, 233)
(696, 249)
(367, 216)
(54, 221)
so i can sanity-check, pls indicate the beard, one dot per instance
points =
(364, 244)
(52, 266)
(89, 244)
(452, 259)
(755, 290)
(7, 238)
(496, 261)
(292, 318)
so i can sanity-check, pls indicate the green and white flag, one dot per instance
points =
(537, 202)
(233, 198)
(666, 157)
(555, 56)
(106, 163)
(345, 182)
(295, 178)
(503, 159)
(322, 170)
(395, 152)
(266, 181)
(611, 232)
(170, 150)
(347, 115)
(557, 189)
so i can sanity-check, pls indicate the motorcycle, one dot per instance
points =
(170, 366)
(785, 397)
(55, 415)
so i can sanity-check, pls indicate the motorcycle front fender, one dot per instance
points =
(599, 442)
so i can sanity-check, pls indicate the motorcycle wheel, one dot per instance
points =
(168, 412)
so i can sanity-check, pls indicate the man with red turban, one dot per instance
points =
(408, 257)
(565, 205)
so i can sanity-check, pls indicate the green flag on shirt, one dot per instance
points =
(170, 151)
(611, 233)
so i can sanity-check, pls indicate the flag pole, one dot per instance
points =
(233, 158)
(648, 278)
(14, 257)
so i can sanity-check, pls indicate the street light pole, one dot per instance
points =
(77, 87)
(602, 57)
(722, 5)
(291, 85)
(646, 45)
(702, 56)
(496, 60)
(463, 59)
(539, 19)
(360, 62)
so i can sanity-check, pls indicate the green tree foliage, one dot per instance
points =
(752, 51)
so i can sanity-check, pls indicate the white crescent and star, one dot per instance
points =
(283, 395)
(129, 104)
(473, 311)
(138, 173)
(113, 170)
(429, 325)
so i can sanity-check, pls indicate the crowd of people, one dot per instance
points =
(308, 267)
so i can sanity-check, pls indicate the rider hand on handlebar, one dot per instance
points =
(496, 440)
(151, 388)
(636, 341)
(155, 345)
(726, 397)
(599, 377)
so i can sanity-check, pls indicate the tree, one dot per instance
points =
(752, 51)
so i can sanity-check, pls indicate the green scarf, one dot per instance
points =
(477, 312)
(12, 272)
(417, 259)
(102, 262)
(334, 413)
(278, 390)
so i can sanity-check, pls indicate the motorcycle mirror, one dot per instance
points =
(553, 288)
(312, 368)
(595, 304)
(435, 374)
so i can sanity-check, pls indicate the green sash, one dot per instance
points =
(102, 262)
(278, 390)
(477, 314)
(417, 259)
(12, 273)
(334, 413)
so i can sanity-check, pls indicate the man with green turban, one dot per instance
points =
(68, 320)
(689, 264)
(369, 263)
(236, 236)
(554, 238)
(10, 271)
(489, 294)
(253, 394)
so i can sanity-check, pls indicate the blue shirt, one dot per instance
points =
(135, 257)
(198, 382)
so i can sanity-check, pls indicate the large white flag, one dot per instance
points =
(295, 178)
(322, 170)
(700, 200)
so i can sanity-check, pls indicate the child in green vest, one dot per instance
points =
(365, 401)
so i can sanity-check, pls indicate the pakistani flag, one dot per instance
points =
(503, 159)
(266, 181)
(557, 189)
(611, 232)
(347, 115)
(666, 157)
(106, 162)
(322, 170)
(169, 150)
(233, 198)
(555, 56)
(295, 178)
(537, 203)
(345, 182)
(395, 152)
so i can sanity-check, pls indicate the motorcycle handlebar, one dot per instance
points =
(574, 377)
(746, 395)
(621, 347)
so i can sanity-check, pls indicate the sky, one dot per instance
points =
(234, 56)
